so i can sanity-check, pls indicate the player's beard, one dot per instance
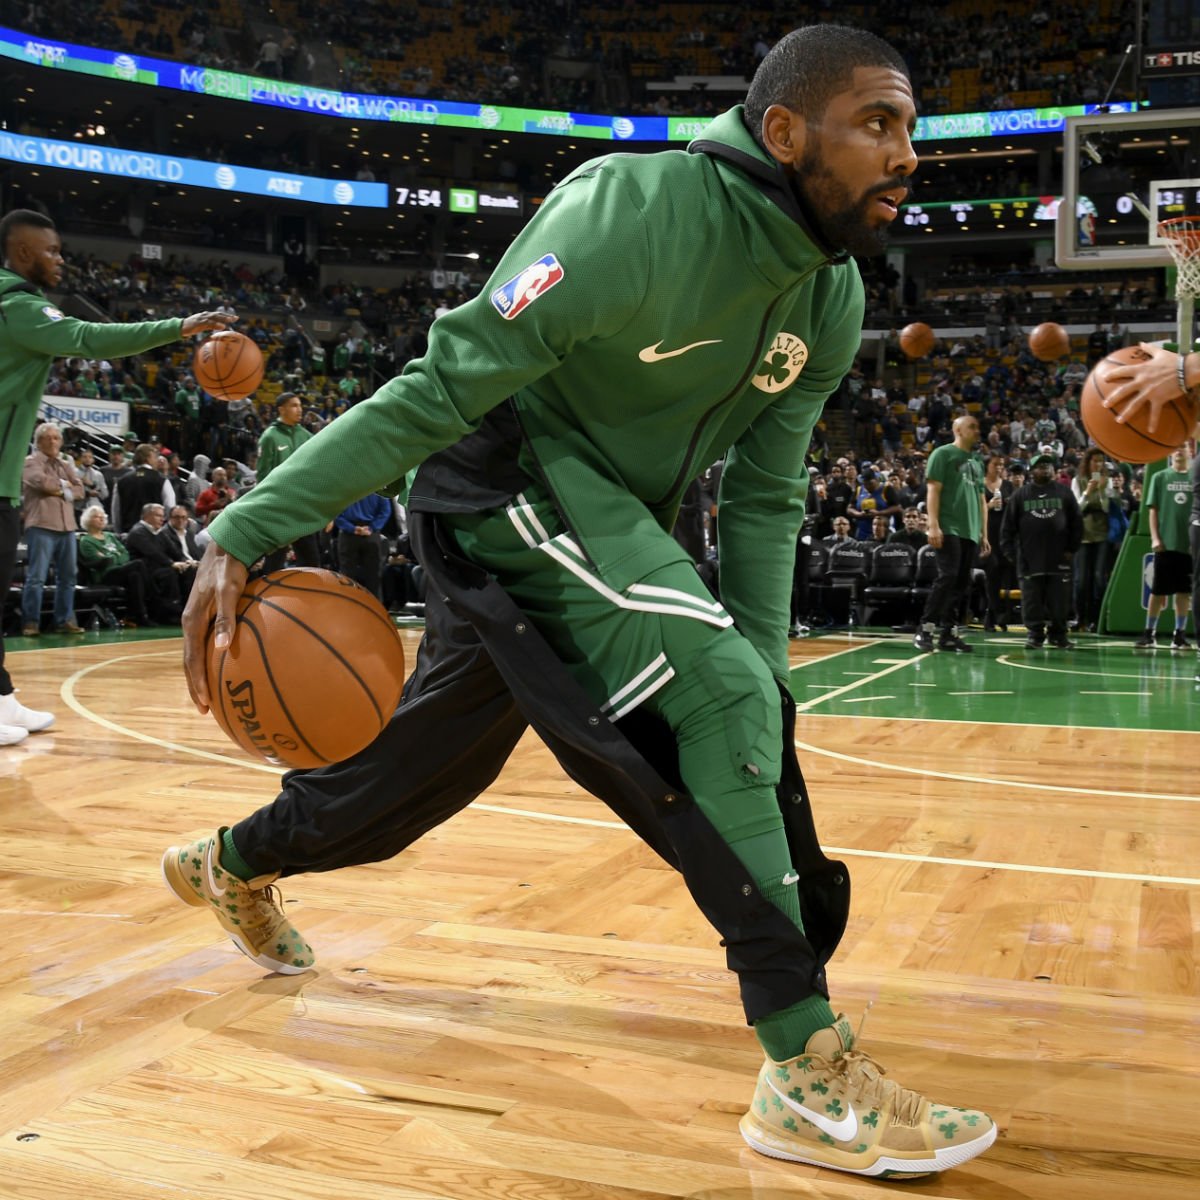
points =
(841, 220)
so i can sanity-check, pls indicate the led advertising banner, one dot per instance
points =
(189, 172)
(359, 106)
(109, 415)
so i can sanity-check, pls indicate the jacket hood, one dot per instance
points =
(729, 139)
(10, 280)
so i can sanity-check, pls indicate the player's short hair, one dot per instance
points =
(284, 397)
(810, 65)
(20, 218)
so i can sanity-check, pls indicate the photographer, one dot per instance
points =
(216, 496)
(1093, 490)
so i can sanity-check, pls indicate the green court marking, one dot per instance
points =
(1100, 685)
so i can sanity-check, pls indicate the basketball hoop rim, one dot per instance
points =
(1182, 234)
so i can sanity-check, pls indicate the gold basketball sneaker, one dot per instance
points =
(249, 911)
(832, 1106)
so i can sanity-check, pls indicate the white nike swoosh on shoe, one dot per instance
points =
(651, 354)
(840, 1131)
(209, 852)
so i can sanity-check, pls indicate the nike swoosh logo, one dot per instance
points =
(840, 1131)
(209, 852)
(790, 877)
(650, 354)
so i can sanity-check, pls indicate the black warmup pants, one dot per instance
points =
(456, 726)
(955, 559)
(1044, 602)
(308, 554)
(10, 535)
(361, 558)
(1001, 575)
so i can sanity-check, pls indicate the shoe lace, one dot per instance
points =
(263, 907)
(861, 1075)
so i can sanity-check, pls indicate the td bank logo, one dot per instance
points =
(464, 200)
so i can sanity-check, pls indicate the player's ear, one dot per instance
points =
(784, 134)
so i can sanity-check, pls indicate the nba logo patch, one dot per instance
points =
(522, 290)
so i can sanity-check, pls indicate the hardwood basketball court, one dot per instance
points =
(526, 1003)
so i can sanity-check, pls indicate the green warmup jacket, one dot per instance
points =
(278, 442)
(659, 310)
(33, 333)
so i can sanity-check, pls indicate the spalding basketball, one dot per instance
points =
(1132, 442)
(917, 339)
(1049, 342)
(228, 365)
(314, 670)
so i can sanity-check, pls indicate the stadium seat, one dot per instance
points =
(889, 583)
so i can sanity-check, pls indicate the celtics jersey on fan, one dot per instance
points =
(1171, 493)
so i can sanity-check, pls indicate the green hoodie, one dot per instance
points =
(34, 332)
(278, 443)
(659, 310)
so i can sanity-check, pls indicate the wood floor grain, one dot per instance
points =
(526, 1004)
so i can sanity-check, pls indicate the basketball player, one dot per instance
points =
(33, 332)
(557, 419)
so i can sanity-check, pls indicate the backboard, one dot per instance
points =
(1122, 173)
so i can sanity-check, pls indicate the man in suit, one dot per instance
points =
(171, 571)
(180, 532)
(143, 485)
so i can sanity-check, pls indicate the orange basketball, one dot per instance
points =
(1133, 442)
(1049, 342)
(228, 365)
(917, 339)
(314, 671)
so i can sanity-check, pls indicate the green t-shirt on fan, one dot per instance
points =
(1171, 493)
(961, 475)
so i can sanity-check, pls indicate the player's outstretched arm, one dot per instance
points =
(220, 580)
(206, 321)
(1154, 381)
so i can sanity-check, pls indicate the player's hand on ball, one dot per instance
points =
(1153, 381)
(220, 581)
(205, 322)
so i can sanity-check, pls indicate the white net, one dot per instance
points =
(1182, 236)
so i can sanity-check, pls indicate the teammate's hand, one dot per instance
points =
(934, 537)
(1154, 382)
(220, 580)
(985, 548)
(205, 321)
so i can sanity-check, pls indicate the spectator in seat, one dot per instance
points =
(105, 559)
(180, 531)
(841, 532)
(216, 496)
(171, 575)
(912, 534)
(881, 528)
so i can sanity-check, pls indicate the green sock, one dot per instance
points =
(231, 860)
(784, 1034)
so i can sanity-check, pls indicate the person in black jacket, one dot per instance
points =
(1042, 529)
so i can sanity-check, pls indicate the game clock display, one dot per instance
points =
(418, 197)
(1109, 217)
